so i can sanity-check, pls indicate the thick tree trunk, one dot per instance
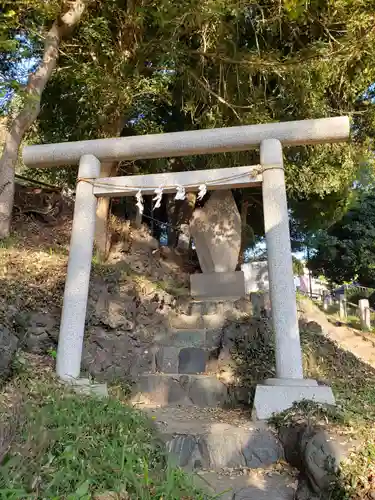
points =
(28, 114)
(102, 237)
(181, 214)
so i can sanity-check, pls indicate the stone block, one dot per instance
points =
(275, 399)
(213, 338)
(225, 284)
(216, 230)
(213, 321)
(227, 445)
(192, 360)
(161, 390)
(167, 359)
(185, 321)
(178, 389)
(206, 391)
(188, 338)
(183, 450)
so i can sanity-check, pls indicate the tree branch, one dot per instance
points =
(36, 84)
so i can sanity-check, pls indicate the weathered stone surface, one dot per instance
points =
(109, 355)
(224, 284)
(160, 389)
(304, 491)
(114, 316)
(8, 347)
(167, 360)
(214, 338)
(230, 446)
(207, 391)
(276, 488)
(216, 230)
(183, 451)
(255, 485)
(192, 360)
(185, 390)
(322, 456)
(37, 331)
(185, 321)
(317, 454)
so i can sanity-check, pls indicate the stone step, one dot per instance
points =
(269, 483)
(189, 360)
(213, 305)
(213, 439)
(164, 389)
(196, 321)
(199, 337)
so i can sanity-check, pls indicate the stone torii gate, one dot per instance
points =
(289, 384)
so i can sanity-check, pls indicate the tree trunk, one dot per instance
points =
(102, 237)
(181, 214)
(22, 122)
(244, 212)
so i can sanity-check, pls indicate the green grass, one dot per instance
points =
(77, 447)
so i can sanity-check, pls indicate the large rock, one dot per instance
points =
(8, 347)
(37, 331)
(316, 453)
(110, 355)
(230, 446)
(216, 229)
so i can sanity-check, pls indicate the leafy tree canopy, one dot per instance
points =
(346, 251)
(158, 65)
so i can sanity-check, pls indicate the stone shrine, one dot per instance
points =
(216, 230)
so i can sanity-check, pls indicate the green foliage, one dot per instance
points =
(73, 447)
(346, 251)
(157, 66)
(298, 268)
(205, 64)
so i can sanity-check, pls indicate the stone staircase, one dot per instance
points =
(230, 455)
(185, 357)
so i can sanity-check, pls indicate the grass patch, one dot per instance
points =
(78, 447)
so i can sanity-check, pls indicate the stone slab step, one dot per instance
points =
(187, 360)
(208, 305)
(199, 337)
(196, 321)
(198, 438)
(179, 389)
(242, 484)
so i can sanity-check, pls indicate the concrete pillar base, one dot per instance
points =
(270, 399)
(85, 386)
(293, 382)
